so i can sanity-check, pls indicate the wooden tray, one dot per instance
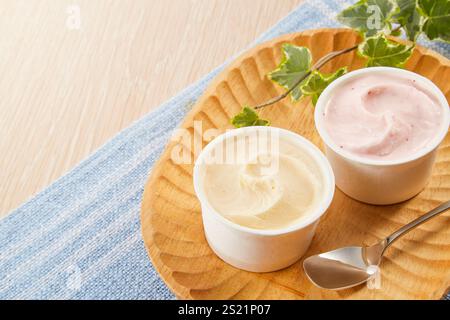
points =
(416, 267)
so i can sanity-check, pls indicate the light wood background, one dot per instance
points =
(74, 73)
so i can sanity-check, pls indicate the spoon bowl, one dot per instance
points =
(343, 268)
(351, 266)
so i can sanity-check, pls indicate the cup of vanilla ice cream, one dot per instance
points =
(262, 192)
(382, 127)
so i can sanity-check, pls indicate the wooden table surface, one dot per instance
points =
(74, 73)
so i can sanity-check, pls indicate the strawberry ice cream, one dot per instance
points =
(382, 116)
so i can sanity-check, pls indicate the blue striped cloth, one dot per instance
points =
(80, 238)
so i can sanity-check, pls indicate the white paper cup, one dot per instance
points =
(381, 182)
(261, 250)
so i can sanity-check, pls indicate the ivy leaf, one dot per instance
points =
(437, 18)
(380, 51)
(317, 82)
(369, 16)
(295, 64)
(409, 17)
(247, 118)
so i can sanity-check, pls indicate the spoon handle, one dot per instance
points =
(406, 228)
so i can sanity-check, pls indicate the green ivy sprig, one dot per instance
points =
(375, 20)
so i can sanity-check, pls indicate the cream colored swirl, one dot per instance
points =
(267, 190)
(382, 116)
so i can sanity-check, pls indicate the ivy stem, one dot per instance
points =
(319, 64)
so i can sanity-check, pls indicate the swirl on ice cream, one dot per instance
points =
(264, 188)
(382, 116)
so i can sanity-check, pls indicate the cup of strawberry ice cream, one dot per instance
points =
(381, 128)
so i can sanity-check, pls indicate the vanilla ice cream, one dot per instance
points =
(263, 187)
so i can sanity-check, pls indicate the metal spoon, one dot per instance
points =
(350, 266)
